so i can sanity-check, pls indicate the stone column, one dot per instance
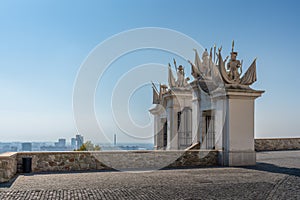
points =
(196, 113)
(172, 126)
(238, 132)
(157, 111)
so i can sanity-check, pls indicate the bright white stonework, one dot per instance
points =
(215, 110)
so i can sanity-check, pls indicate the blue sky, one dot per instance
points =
(43, 44)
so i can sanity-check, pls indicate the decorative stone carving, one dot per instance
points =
(171, 101)
(156, 98)
(157, 94)
(232, 75)
(206, 71)
(211, 73)
(215, 98)
(233, 66)
(181, 81)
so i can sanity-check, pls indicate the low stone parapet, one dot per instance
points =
(60, 161)
(11, 163)
(8, 166)
(271, 144)
(119, 160)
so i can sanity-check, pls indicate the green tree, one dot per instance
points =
(89, 146)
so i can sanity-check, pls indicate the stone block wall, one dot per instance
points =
(272, 144)
(8, 166)
(196, 158)
(121, 160)
(12, 163)
(60, 161)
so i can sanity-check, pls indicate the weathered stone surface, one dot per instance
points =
(8, 166)
(73, 161)
(196, 158)
(277, 144)
(11, 163)
(276, 176)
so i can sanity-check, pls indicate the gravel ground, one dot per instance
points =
(276, 176)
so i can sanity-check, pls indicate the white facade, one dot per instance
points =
(215, 110)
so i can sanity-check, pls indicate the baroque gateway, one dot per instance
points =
(214, 111)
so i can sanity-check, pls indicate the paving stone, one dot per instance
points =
(276, 176)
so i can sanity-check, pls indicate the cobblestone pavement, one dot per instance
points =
(276, 176)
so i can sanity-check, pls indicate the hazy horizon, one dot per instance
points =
(43, 45)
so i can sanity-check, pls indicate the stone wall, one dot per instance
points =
(11, 163)
(196, 158)
(121, 160)
(272, 144)
(60, 161)
(8, 166)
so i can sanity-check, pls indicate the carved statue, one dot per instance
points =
(171, 79)
(181, 80)
(233, 66)
(157, 94)
(202, 69)
(206, 63)
(180, 77)
(213, 73)
(210, 72)
(233, 76)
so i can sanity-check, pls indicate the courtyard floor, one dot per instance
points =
(276, 176)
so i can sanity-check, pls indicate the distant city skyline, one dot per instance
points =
(55, 146)
(43, 45)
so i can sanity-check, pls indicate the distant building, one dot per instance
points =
(55, 148)
(4, 147)
(79, 141)
(115, 139)
(13, 148)
(73, 143)
(61, 143)
(26, 146)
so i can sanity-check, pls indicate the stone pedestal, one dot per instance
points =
(238, 132)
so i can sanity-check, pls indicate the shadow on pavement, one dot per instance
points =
(9, 183)
(260, 166)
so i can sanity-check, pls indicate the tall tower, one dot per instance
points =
(79, 141)
(115, 140)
